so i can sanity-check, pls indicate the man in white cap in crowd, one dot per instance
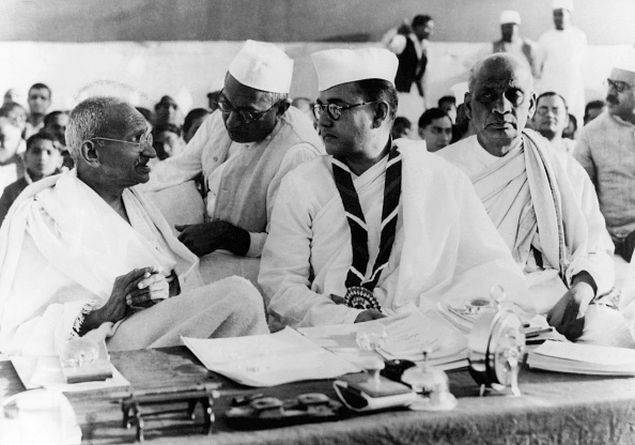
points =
(545, 208)
(512, 42)
(378, 225)
(606, 150)
(563, 55)
(243, 150)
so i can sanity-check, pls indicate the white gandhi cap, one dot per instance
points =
(562, 4)
(623, 74)
(262, 66)
(338, 66)
(510, 16)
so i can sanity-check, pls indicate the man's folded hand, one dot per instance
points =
(205, 238)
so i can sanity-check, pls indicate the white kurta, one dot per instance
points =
(445, 245)
(61, 249)
(564, 54)
(586, 238)
(242, 179)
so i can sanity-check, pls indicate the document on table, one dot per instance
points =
(407, 336)
(46, 371)
(270, 359)
(582, 359)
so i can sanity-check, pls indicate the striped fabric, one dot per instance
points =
(357, 223)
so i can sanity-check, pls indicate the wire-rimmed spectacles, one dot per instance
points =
(334, 110)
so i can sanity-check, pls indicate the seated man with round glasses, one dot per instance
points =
(378, 226)
(243, 150)
(84, 254)
(547, 215)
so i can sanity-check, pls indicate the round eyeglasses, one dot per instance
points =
(334, 111)
(247, 116)
(146, 139)
(618, 85)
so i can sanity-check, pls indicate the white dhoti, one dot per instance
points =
(61, 231)
(231, 307)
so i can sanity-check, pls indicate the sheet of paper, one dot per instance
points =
(270, 359)
(407, 335)
(46, 371)
(584, 353)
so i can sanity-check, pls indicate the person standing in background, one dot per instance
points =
(410, 44)
(39, 102)
(564, 52)
(512, 42)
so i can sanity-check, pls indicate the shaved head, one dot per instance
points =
(500, 101)
(499, 65)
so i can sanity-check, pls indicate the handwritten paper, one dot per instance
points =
(270, 359)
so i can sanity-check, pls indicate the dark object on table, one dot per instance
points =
(134, 406)
(258, 411)
(395, 368)
(363, 393)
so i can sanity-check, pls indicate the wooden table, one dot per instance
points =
(554, 408)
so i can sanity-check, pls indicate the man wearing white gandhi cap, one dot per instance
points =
(376, 225)
(564, 52)
(606, 149)
(512, 42)
(243, 150)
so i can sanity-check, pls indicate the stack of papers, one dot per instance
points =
(583, 359)
(535, 325)
(270, 359)
(46, 371)
(407, 337)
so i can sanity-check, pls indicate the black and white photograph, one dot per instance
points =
(317, 222)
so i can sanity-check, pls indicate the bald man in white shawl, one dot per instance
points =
(544, 207)
(84, 254)
(379, 225)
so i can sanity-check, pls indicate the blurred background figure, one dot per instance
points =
(55, 124)
(462, 128)
(39, 99)
(11, 147)
(571, 129)
(42, 158)
(147, 114)
(167, 112)
(12, 96)
(401, 128)
(435, 127)
(16, 113)
(212, 100)
(167, 141)
(192, 122)
(410, 43)
(305, 105)
(512, 42)
(448, 104)
(563, 55)
(550, 120)
(593, 109)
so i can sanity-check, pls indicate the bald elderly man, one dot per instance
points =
(243, 150)
(84, 254)
(545, 208)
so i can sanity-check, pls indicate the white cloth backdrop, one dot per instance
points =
(144, 71)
